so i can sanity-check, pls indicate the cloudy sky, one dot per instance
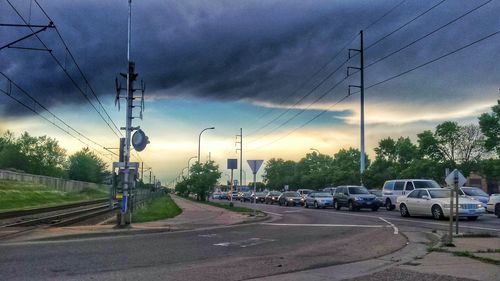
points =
(277, 69)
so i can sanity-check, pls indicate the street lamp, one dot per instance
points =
(199, 140)
(314, 149)
(189, 165)
(182, 172)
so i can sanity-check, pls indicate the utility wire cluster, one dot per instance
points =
(372, 63)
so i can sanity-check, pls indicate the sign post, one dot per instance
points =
(455, 180)
(255, 166)
(232, 164)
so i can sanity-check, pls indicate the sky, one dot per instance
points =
(276, 69)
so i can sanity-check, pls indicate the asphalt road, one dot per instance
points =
(296, 239)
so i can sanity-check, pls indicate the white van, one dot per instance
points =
(394, 188)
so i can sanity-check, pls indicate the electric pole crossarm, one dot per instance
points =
(25, 37)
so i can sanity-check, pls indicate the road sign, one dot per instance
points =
(255, 165)
(232, 164)
(450, 179)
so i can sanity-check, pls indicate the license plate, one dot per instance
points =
(472, 211)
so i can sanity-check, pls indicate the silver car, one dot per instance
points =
(318, 200)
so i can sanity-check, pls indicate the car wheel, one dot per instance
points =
(404, 210)
(351, 206)
(336, 205)
(316, 205)
(497, 210)
(472, 218)
(305, 205)
(437, 212)
(375, 209)
(286, 203)
(388, 205)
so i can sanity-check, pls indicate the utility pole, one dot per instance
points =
(130, 169)
(361, 87)
(240, 142)
(142, 172)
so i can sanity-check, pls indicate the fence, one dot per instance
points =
(55, 183)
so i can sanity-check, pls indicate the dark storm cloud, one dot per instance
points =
(247, 50)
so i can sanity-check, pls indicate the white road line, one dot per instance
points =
(406, 220)
(396, 230)
(276, 214)
(245, 243)
(326, 225)
(297, 211)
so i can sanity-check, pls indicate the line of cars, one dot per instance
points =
(411, 196)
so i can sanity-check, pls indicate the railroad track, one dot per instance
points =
(21, 222)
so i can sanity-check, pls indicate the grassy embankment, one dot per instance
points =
(21, 195)
(159, 208)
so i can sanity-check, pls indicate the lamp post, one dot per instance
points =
(199, 140)
(189, 161)
(314, 149)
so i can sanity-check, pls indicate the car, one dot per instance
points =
(260, 197)
(223, 196)
(475, 193)
(331, 190)
(355, 197)
(303, 193)
(289, 198)
(435, 202)
(272, 197)
(318, 199)
(394, 188)
(246, 196)
(493, 204)
(233, 195)
(216, 195)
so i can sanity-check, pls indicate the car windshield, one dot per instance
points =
(376, 193)
(260, 194)
(274, 193)
(322, 194)
(358, 190)
(426, 184)
(474, 192)
(445, 193)
(291, 194)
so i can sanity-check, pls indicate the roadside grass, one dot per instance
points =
(20, 195)
(159, 208)
(242, 210)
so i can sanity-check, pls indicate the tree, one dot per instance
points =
(278, 173)
(259, 186)
(490, 127)
(346, 166)
(84, 165)
(10, 153)
(203, 176)
(314, 171)
(471, 144)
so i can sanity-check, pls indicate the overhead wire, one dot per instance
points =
(65, 71)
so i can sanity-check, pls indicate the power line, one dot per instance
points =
(428, 34)
(52, 114)
(304, 109)
(384, 15)
(303, 84)
(53, 123)
(405, 24)
(433, 60)
(78, 67)
(65, 71)
(303, 125)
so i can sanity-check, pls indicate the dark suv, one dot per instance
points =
(355, 198)
(272, 197)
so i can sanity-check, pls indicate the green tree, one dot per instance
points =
(84, 165)
(203, 177)
(346, 167)
(314, 171)
(490, 126)
(278, 173)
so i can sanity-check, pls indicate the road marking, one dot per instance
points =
(396, 230)
(207, 235)
(406, 220)
(326, 225)
(296, 211)
(245, 243)
(276, 214)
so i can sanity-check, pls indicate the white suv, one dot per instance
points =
(394, 188)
